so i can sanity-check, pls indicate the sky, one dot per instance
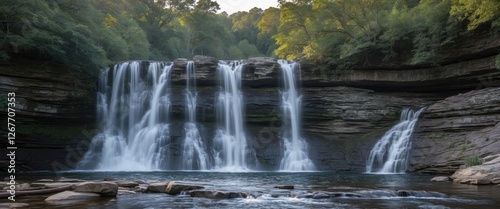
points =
(232, 6)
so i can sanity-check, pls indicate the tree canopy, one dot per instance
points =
(89, 34)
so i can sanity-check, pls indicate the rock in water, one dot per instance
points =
(488, 173)
(284, 187)
(175, 188)
(441, 178)
(102, 188)
(69, 195)
(157, 187)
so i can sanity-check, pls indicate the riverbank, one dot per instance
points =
(163, 189)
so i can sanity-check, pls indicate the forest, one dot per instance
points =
(91, 34)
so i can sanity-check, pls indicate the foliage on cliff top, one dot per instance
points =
(90, 34)
(344, 32)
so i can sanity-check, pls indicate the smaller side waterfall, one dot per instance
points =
(390, 153)
(194, 156)
(295, 157)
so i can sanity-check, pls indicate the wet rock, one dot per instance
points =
(127, 183)
(217, 194)
(441, 178)
(284, 187)
(140, 182)
(70, 195)
(141, 188)
(306, 195)
(403, 193)
(176, 187)
(157, 187)
(13, 205)
(102, 188)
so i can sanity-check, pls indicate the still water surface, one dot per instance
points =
(360, 191)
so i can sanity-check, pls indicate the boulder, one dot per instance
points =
(157, 187)
(441, 178)
(488, 173)
(70, 195)
(52, 185)
(102, 188)
(127, 183)
(176, 187)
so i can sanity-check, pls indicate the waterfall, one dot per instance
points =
(133, 106)
(295, 157)
(231, 151)
(390, 153)
(194, 156)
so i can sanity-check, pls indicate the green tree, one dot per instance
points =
(268, 26)
(205, 35)
(476, 12)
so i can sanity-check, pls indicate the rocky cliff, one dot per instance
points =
(54, 107)
(344, 112)
(457, 128)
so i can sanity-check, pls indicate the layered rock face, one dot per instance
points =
(456, 128)
(54, 107)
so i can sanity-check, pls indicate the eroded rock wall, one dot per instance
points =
(457, 128)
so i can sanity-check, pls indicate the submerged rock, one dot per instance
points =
(217, 194)
(102, 188)
(70, 195)
(284, 187)
(441, 178)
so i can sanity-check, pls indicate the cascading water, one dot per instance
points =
(390, 153)
(133, 109)
(295, 157)
(194, 156)
(231, 151)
